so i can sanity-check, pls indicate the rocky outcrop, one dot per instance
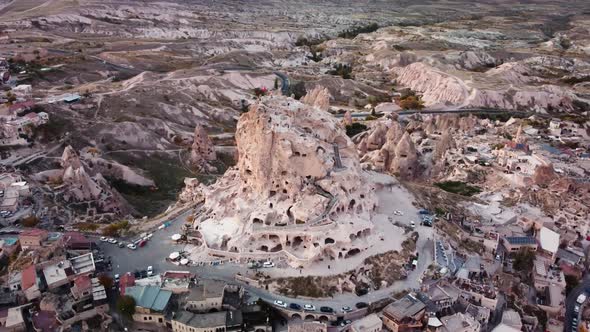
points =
(80, 182)
(297, 170)
(405, 162)
(388, 147)
(442, 90)
(476, 60)
(544, 175)
(202, 150)
(318, 97)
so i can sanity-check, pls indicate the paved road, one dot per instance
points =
(451, 111)
(285, 83)
(160, 246)
(570, 302)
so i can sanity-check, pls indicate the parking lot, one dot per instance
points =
(153, 253)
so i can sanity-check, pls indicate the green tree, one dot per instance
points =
(126, 305)
(524, 260)
(298, 90)
(570, 283)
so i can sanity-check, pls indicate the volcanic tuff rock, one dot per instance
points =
(318, 97)
(84, 183)
(202, 150)
(296, 168)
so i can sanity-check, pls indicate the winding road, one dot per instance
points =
(160, 246)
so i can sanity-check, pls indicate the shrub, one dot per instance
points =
(411, 103)
(86, 227)
(298, 90)
(343, 70)
(458, 187)
(116, 228)
(351, 33)
(355, 128)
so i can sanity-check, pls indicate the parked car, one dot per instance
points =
(309, 307)
(150, 271)
(121, 244)
(346, 309)
(131, 246)
(143, 274)
(326, 309)
(412, 224)
(268, 264)
(113, 241)
(103, 239)
(116, 278)
(345, 322)
(294, 306)
(280, 303)
(361, 305)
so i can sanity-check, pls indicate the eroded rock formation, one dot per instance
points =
(202, 150)
(297, 190)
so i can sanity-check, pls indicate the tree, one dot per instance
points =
(298, 90)
(258, 92)
(570, 283)
(355, 128)
(524, 260)
(411, 103)
(106, 281)
(30, 221)
(126, 305)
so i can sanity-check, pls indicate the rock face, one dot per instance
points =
(405, 161)
(387, 147)
(442, 90)
(318, 97)
(544, 175)
(203, 150)
(83, 182)
(297, 190)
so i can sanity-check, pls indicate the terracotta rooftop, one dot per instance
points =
(83, 282)
(33, 232)
(126, 280)
(29, 277)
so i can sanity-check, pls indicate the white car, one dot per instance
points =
(412, 224)
(268, 264)
(149, 236)
(116, 278)
(150, 271)
(131, 246)
(309, 307)
(113, 241)
(103, 239)
(280, 303)
(346, 309)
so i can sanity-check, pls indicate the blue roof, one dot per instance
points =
(521, 240)
(150, 297)
(10, 241)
